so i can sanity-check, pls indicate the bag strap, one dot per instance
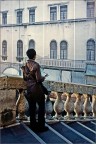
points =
(29, 72)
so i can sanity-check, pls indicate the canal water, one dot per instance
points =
(64, 76)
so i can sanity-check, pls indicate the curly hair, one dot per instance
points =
(31, 53)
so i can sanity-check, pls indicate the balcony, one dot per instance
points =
(63, 64)
(79, 65)
(4, 57)
(70, 113)
(19, 58)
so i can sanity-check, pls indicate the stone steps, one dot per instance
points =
(70, 133)
(58, 133)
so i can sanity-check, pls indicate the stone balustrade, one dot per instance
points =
(67, 101)
(62, 63)
(57, 63)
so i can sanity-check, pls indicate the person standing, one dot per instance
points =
(35, 93)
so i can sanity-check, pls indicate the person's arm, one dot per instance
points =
(23, 69)
(24, 73)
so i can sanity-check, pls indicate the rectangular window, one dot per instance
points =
(90, 9)
(53, 54)
(53, 13)
(90, 55)
(31, 15)
(63, 12)
(19, 52)
(4, 51)
(4, 18)
(19, 17)
(63, 54)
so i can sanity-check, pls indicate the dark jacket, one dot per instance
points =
(33, 79)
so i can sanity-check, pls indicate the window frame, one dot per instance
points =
(19, 50)
(64, 50)
(4, 50)
(31, 15)
(53, 13)
(53, 49)
(90, 9)
(33, 44)
(4, 18)
(64, 13)
(19, 18)
(91, 50)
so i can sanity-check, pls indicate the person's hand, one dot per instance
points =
(23, 67)
(46, 75)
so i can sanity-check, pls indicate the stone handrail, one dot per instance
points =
(69, 101)
(18, 83)
(70, 87)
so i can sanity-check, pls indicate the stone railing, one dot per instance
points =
(71, 64)
(78, 101)
(57, 63)
(66, 101)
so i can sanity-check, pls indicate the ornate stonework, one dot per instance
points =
(77, 100)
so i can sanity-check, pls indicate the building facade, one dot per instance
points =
(62, 30)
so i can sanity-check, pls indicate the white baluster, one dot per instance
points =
(58, 107)
(87, 106)
(94, 105)
(78, 106)
(48, 108)
(69, 106)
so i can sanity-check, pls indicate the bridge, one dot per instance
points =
(50, 64)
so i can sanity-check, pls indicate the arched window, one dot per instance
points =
(31, 44)
(91, 50)
(19, 50)
(63, 50)
(53, 49)
(4, 50)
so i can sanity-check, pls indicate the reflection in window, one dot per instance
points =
(63, 12)
(90, 9)
(63, 50)
(53, 13)
(91, 50)
(19, 50)
(4, 50)
(31, 44)
(53, 50)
